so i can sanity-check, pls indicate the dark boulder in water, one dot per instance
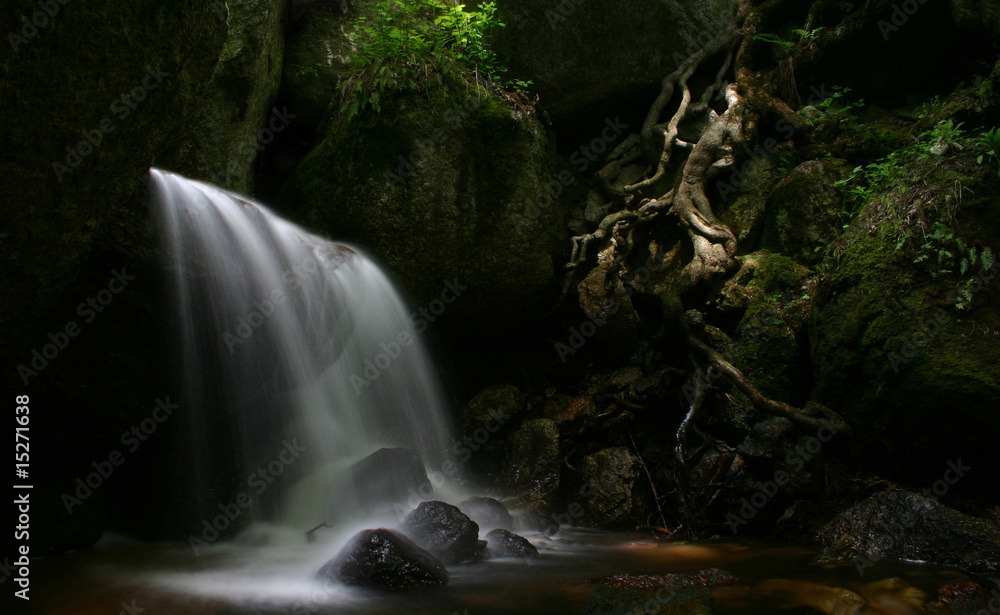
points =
(444, 530)
(383, 559)
(389, 476)
(487, 513)
(502, 543)
(905, 526)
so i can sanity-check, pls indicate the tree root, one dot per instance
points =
(795, 415)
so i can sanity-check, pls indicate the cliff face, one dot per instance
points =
(96, 93)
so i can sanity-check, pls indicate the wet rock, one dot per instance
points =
(492, 408)
(962, 597)
(487, 513)
(503, 543)
(901, 525)
(386, 560)
(678, 594)
(609, 477)
(708, 577)
(532, 462)
(387, 476)
(566, 410)
(444, 530)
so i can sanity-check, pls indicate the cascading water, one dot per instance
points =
(299, 358)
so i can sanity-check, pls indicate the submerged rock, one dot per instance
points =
(487, 513)
(385, 560)
(906, 526)
(444, 530)
(502, 543)
(962, 597)
(645, 594)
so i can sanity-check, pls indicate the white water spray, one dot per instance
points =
(277, 328)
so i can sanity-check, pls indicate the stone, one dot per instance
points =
(504, 543)
(444, 530)
(383, 559)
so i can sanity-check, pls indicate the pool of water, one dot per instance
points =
(279, 577)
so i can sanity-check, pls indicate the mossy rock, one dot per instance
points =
(804, 211)
(772, 333)
(199, 80)
(448, 185)
(913, 374)
(577, 60)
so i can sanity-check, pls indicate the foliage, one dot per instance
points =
(409, 42)
(943, 249)
(774, 40)
(990, 140)
(808, 35)
(835, 108)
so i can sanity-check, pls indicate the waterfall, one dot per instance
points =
(298, 359)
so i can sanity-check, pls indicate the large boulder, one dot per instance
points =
(900, 361)
(532, 464)
(492, 407)
(609, 478)
(804, 211)
(91, 100)
(91, 103)
(456, 191)
(389, 476)
(900, 525)
(488, 513)
(444, 530)
(575, 53)
(383, 559)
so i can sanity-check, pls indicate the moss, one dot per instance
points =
(772, 332)
(443, 183)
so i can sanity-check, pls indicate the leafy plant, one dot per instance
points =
(808, 35)
(835, 108)
(990, 140)
(943, 136)
(406, 43)
(775, 40)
